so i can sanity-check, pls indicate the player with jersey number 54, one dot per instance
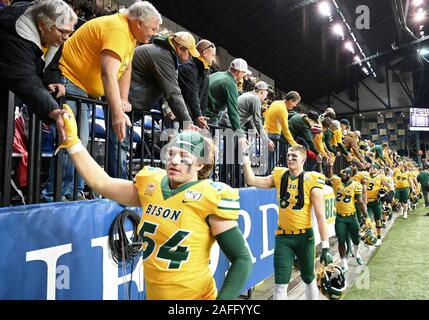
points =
(183, 213)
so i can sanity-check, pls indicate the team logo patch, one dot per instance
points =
(193, 195)
(150, 189)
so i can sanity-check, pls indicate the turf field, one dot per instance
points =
(399, 269)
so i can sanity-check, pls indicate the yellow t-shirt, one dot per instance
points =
(401, 178)
(81, 58)
(276, 121)
(345, 195)
(318, 142)
(177, 239)
(374, 185)
(337, 137)
(291, 217)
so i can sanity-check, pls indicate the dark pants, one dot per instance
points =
(425, 190)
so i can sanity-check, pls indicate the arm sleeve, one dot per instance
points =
(232, 244)
(231, 103)
(166, 78)
(283, 117)
(308, 135)
(24, 81)
(188, 82)
(327, 138)
(257, 122)
(343, 149)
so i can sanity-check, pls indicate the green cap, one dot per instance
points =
(191, 141)
(348, 170)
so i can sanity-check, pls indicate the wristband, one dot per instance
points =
(325, 244)
(76, 148)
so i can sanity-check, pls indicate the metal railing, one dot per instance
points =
(227, 169)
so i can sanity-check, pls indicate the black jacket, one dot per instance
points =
(21, 61)
(194, 84)
(154, 75)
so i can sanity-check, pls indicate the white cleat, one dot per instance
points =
(378, 243)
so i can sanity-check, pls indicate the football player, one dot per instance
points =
(297, 192)
(375, 183)
(183, 213)
(348, 192)
(403, 182)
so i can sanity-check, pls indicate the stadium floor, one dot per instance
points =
(396, 270)
(400, 268)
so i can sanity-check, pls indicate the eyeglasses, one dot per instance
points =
(64, 33)
(208, 47)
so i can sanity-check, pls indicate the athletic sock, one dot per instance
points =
(311, 290)
(280, 291)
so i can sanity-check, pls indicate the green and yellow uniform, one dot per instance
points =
(346, 220)
(295, 234)
(177, 249)
(402, 185)
(362, 178)
(375, 183)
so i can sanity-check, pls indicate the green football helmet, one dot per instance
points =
(331, 281)
(368, 235)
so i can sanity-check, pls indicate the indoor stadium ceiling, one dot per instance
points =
(289, 40)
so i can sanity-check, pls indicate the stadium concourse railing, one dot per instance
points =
(145, 152)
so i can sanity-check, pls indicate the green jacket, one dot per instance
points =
(223, 93)
(378, 150)
(298, 127)
(423, 179)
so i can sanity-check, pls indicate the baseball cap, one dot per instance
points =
(240, 65)
(261, 85)
(313, 115)
(348, 170)
(186, 40)
(345, 122)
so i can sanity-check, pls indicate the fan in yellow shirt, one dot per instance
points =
(96, 61)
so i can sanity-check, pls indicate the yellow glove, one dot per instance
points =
(70, 128)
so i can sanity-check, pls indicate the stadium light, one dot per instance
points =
(325, 9)
(417, 3)
(338, 30)
(423, 51)
(420, 15)
(349, 46)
